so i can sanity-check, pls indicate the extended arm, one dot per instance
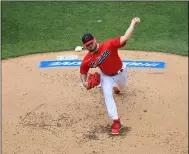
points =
(129, 31)
(92, 81)
(84, 80)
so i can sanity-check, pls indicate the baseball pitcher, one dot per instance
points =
(113, 75)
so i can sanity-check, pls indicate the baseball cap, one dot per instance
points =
(87, 39)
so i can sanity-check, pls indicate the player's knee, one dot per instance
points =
(122, 87)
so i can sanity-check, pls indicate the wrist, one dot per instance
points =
(85, 84)
(132, 24)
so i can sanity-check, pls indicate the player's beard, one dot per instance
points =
(94, 49)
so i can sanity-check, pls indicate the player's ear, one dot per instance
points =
(84, 47)
(94, 41)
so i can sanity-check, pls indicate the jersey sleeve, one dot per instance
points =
(84, 67)
(115, 42)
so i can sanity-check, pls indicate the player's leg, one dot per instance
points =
(121, 79)
(107, 86)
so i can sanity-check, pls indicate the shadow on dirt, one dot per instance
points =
(102, 132)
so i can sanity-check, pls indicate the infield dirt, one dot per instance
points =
(47, 111)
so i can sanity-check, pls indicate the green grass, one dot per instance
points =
(36, 27)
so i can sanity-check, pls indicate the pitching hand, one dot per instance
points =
(136, 20)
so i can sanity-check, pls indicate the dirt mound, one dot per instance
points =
(46, 111)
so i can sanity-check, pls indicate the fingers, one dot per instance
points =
(136, 20)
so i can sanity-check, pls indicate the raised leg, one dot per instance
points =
(121, 79)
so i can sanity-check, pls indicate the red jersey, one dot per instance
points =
(106, 58)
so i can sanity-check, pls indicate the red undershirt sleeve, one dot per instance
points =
(116, 42)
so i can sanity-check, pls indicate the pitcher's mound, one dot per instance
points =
(45, 111)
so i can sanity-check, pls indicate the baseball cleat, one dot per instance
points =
(116, 90)
(116, 126)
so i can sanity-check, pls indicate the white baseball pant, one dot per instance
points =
(107, 84)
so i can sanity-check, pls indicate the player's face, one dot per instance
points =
(92, 47)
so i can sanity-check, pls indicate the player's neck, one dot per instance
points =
(97, 47)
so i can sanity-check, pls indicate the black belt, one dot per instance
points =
(116, 73)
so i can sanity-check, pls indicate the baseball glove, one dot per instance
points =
(93, 80)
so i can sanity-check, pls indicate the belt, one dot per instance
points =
(116, 73)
